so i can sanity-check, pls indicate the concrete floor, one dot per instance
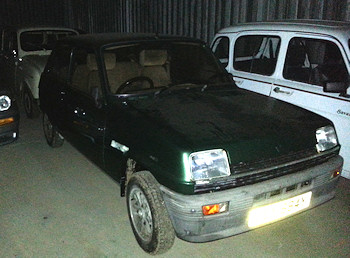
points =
(56, 203)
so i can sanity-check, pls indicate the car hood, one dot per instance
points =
(37, 62)
(247, 125)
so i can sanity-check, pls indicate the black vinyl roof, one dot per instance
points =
(102, 39)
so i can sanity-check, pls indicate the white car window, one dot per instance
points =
(256, 54)
(221, 49)
(314, 61)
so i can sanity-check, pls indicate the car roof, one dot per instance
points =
(36, 27)
(98, 40)
(333, 28)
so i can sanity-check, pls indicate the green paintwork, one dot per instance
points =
(161, 128)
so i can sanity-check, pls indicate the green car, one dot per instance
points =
(196, 156)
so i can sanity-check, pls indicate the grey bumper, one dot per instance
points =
(186, 211)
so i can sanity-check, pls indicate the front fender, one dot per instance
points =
(30, 71)
(31, 80)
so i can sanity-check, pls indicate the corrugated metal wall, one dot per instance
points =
(197, 18)
(33, 12)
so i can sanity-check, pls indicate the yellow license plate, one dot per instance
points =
(272, 212)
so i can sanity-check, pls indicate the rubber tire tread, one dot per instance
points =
(163, 231)
(56, 140)
(35, 108)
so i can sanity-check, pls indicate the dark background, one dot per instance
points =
(196, 18)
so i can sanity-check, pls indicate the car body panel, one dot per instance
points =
(9, 130)
(334, 106)
(22, 67)
(156, 128)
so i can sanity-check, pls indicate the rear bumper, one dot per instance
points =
(190, 225)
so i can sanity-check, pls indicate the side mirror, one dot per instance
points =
(95, 92)
(335, 87)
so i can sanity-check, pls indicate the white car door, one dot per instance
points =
(310, 62)
(251, 58)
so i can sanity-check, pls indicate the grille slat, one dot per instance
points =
(247, 174)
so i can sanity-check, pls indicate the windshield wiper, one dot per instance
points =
(171, 87)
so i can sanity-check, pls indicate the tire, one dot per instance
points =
(30, 106)
(53, 138)
(148, 215)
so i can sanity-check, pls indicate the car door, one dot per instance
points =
(9, 56)
(310, 62)
(82, 106)
(253, 57)
(53, 82)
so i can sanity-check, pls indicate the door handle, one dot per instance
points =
(238, 82)
(278, 90)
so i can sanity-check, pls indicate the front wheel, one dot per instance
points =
(30, 106)
(53, 138)
(148, 215)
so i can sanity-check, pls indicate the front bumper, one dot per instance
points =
(9, 131)
(186, 210)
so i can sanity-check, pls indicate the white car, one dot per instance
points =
(23, 56)
(303, 62)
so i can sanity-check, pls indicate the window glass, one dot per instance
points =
(256, 54)
(221, 49)
(85, 75)
(10, 41)
(314, 61)
(59, 63)
(41, 40)
(163, 63)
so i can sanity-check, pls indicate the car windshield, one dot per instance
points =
(42, 39)
(140, 67)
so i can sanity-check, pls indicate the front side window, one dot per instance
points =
(41, 40)
(85, 74)
(314, 61)
(256, 54)
(58, 63)
(221, 49)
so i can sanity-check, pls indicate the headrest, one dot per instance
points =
(91, 62)
(153, 57)
(109, 61)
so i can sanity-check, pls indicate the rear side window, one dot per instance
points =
(221, 49)
(314, 61)
(256, 54)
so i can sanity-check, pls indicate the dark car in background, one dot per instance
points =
(9, 115)
(196, 156)
(23, 56)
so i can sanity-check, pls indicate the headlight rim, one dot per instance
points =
(327, 145)
(201, 180)
(8, 100)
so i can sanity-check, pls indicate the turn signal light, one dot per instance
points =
(335, 174)
(6, 121)
(214, 208)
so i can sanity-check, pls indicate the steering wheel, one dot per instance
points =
(130, 82)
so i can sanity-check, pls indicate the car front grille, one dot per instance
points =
(255, 172)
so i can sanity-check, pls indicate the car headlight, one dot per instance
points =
(209, 164)
(326, 138)
(5, 103)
